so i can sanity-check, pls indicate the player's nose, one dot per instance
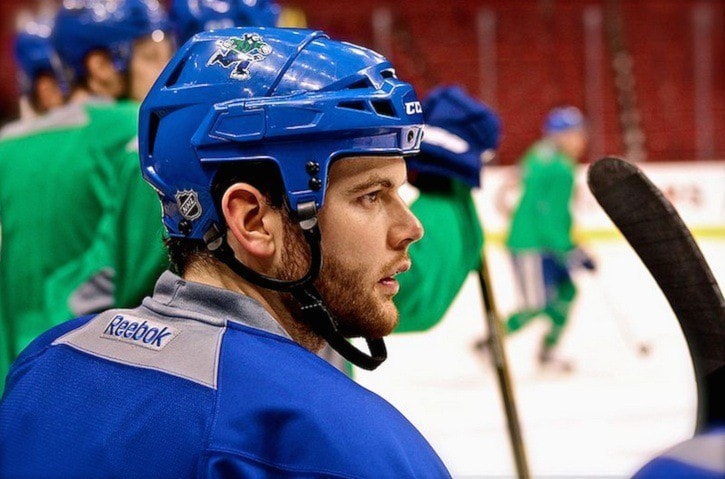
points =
(406, 228)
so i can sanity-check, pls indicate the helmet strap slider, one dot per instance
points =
(307, 215)
(213, 238)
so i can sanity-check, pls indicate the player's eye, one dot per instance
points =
(370, 198)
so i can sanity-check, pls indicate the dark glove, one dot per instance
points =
(579, 258)
(460, 133)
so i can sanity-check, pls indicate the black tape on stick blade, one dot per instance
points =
(665, 245)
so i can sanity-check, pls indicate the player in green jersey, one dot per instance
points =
(540, 237)
(80, 227)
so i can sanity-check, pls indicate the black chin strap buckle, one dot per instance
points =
(307, 215)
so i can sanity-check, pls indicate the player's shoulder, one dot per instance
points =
(284, 383)
(45, 340)
(122, 114)
(113, 126)
(67, 117)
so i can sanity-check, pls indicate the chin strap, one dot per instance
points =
(324, 324)
(312, 306)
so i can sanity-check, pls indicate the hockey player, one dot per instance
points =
(280, 199)
(113, 48)
(461, 134)
(540, 236)
(79, 225)
(40, 76)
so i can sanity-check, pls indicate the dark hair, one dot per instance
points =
(263, 175)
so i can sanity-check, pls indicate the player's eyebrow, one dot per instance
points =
(374, 180)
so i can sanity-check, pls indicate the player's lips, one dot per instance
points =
(389, 283)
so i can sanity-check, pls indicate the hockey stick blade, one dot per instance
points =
(654, 229)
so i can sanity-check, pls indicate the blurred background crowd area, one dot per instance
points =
(650, 74)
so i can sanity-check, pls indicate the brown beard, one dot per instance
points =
(353, 305)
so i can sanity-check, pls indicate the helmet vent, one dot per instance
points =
(387, 73)
(154, 120)
(384, 107)
(352, 105)
(173, 78)
(361, 83)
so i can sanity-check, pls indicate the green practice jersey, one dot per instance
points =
(442, 259)
(81, 230)
(542, 219)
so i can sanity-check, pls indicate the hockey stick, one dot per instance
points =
(661, 239)
(495, 339)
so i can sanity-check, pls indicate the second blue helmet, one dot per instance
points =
(562, 119)
(82, 26)
(190, 17)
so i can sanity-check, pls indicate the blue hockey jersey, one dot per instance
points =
(195, 382)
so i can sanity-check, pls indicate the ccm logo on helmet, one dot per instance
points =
(413, 107)
(147, 334)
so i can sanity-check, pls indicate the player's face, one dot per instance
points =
(573, 142)
(47, 93)
(150, 56)
(103, 78)
(366, 230)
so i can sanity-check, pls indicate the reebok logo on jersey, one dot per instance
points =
(144, 333)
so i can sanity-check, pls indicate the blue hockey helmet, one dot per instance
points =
(82, 26)
(293, 97)
(190, 17)
(460, 133)
(34, 55)
(563, 118)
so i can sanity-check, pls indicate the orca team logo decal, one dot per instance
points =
(188, 203)
(239, 54)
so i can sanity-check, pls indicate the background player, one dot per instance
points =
(79, 226)
(40, 76)
(540, 237)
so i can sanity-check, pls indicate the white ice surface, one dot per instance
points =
(607, 418)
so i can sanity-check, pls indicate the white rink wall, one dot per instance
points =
(617, 408)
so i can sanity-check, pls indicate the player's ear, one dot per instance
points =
(251, 221)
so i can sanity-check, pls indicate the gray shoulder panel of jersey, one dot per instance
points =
(182, 347)
(69, 115)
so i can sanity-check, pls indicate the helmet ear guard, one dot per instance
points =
(251, 94)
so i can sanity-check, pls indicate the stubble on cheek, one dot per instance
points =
(348, 291)
(351, 296)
